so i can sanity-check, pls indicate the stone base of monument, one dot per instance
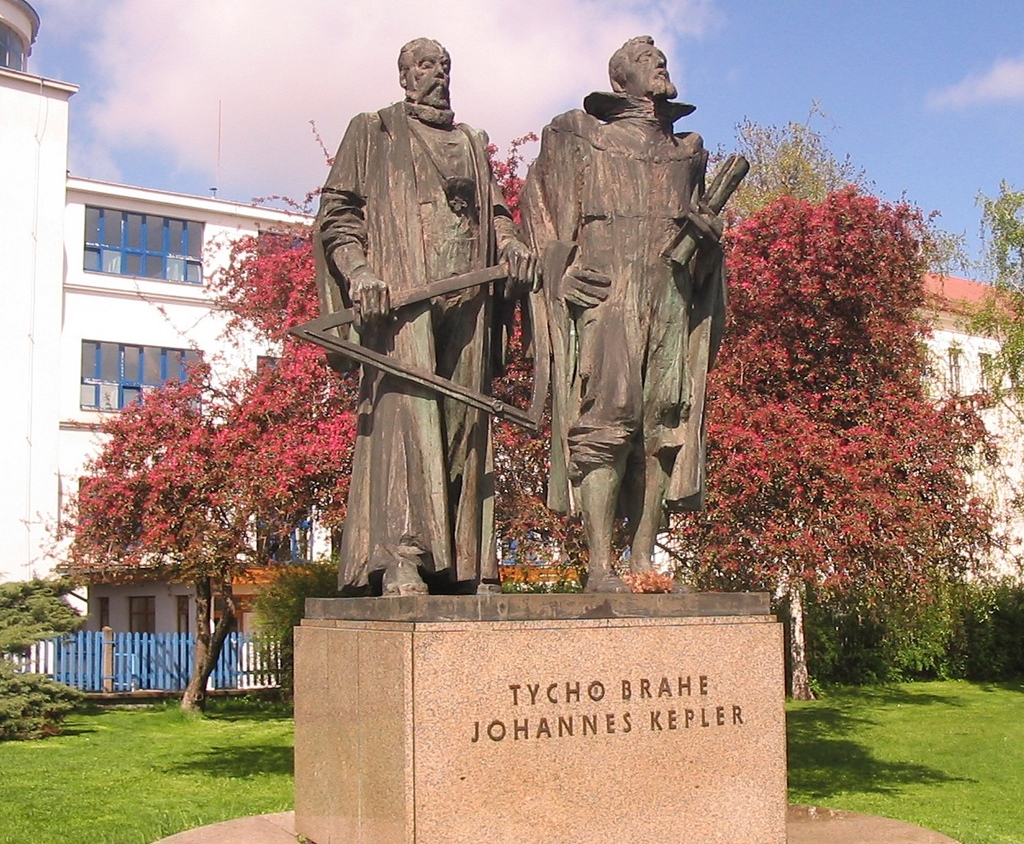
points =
(585, 718)
(804, 825)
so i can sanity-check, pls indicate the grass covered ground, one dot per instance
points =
(949, 756)
(130, 776)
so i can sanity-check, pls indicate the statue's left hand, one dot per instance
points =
(706, 226)
(522, 267)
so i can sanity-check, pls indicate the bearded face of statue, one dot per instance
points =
(425, 74)
(646, 75)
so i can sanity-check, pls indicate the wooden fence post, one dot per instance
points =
(108, 660)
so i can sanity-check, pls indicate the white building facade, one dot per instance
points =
(105, 297)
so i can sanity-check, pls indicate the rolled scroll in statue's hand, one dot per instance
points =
(691, 236)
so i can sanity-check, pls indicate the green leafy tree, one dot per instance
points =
(1003, 227)
(1002, 313)
(792, 160)
(795, 160)
(1001, 318)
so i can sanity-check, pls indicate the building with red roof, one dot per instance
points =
(961, 370)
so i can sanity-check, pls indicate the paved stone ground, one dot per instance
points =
(257, 829)
(806, 825)
(810, 825)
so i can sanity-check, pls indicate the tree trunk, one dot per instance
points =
(208, 645)
(799, 683)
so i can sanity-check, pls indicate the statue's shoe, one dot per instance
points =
(403, 578)
(484, 588)
(606, 583)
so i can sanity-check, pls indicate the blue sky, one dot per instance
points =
(926, 96)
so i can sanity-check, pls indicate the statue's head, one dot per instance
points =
(423, 70)
(640, 69)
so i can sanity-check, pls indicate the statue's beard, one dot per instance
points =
(662, 88)
(436, 95)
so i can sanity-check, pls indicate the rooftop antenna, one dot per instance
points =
(220, 115)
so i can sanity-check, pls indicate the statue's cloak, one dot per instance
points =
(616, 190)
(420, 473)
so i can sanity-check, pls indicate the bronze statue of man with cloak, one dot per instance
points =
(409, 200)
(634, 327)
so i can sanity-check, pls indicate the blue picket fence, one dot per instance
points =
(149, 661)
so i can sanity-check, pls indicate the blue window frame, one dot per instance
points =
(143, 245)
(115, 375)
(283, 546)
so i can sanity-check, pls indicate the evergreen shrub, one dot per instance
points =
(31, 705)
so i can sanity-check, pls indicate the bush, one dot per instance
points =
(32, 706)
(990, 641)
(972, 631)
(281, 605)
(530, 577)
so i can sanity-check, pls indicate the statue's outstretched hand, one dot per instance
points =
(370, 295)
(583, 287)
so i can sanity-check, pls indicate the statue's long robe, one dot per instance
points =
(629, 375)
(420, 476)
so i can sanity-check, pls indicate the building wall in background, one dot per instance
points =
(56, 297)
(958, 371)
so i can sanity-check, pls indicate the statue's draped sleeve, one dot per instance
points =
(551, 203)
(340, 233)
(552, 218)
(341, 223)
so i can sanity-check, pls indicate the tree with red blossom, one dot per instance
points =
(829, 467)
(189, 483)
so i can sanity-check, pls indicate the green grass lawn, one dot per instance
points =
(130, 776)
(949, 756)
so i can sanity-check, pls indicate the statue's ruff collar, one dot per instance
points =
(441, 118)
(608, 106)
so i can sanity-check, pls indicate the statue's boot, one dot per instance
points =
(649, 515)
(402, 577)
(605, 581)
(651, 519)
(639, 563)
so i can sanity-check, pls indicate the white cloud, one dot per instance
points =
(1004, 81)
(164, 67)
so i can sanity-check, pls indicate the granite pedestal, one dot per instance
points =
(647, 718)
